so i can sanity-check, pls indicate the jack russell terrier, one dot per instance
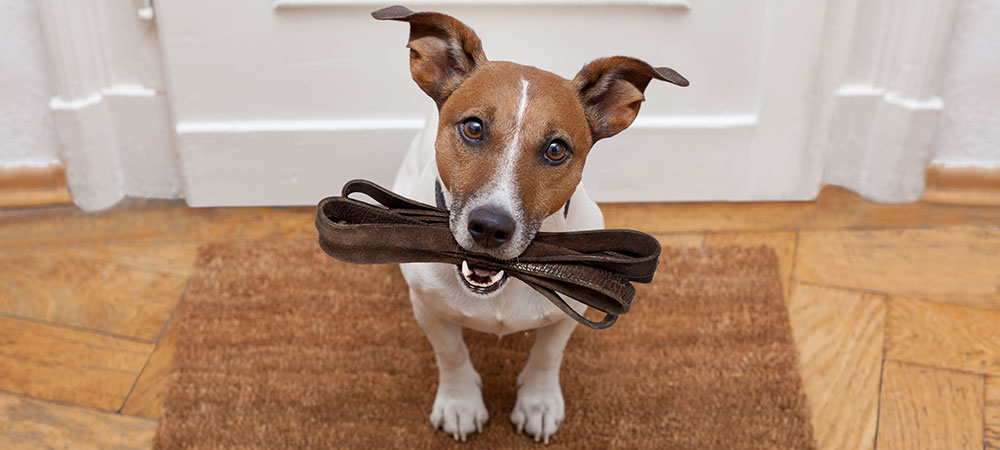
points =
(505, 155)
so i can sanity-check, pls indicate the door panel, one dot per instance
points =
(280, 103)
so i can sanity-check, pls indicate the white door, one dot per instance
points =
(279, 102)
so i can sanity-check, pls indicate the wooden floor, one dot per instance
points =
(895, 311)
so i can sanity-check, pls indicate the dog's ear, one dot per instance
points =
(611, 90)
(443, 50)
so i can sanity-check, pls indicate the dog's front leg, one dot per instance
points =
(540, 409)
(458, 406)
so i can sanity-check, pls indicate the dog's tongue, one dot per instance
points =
(481, 272)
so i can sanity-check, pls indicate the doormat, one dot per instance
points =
(279, 346)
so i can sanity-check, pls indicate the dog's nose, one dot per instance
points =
(490, 226)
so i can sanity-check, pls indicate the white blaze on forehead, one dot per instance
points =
(510, 152)
(504, 175)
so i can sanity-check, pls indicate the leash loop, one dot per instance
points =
(595, 267)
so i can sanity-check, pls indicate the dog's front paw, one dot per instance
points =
(459, 411)
(539, 409)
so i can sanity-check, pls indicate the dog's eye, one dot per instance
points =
(556, 152)
(472, 129)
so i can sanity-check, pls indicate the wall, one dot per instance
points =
(969, 133)
(26, 136)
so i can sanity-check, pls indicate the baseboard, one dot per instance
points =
(33, 186)
(962, 185)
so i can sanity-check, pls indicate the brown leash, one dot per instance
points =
(596, 268)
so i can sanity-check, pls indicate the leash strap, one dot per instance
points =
(596, 267)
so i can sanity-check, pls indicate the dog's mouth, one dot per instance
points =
(479, 279)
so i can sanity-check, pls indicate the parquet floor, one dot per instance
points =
(895, 310)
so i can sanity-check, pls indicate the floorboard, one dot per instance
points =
(991, 419)
(32, 424)
(946, 336)
(67, 365)
(146, 399)
(839, 336)
(955, 264)
(148, 222)
(91, 290)
(835, 208)
(928, 408)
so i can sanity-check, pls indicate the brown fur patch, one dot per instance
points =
(443, 50)
(612, 91)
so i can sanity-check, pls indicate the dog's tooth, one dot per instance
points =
(465, 269)
(497, 277)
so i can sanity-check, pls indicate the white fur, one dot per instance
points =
(505, 172)
(443, 305)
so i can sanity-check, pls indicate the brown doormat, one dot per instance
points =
(282, 347)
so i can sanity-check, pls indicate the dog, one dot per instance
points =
(505, 155)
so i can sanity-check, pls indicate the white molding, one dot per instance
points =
(882, 94)
(679, 4)
(894, 98)
(955, 162)
(72, 34)
(264, 126)
(128, 90)
(113, 133)
(57, 103)
(72, 30)
(691, 121)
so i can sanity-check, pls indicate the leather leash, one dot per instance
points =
(596, 268)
